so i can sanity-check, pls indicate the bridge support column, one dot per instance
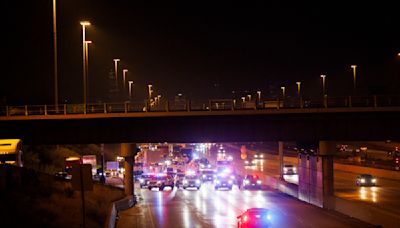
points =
(327, 150)
(127, 151)
(280, 153)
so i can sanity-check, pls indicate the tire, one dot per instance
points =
(198, 188)
(149, 188)
(184, 188)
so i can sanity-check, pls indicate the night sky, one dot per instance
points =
(200, 50)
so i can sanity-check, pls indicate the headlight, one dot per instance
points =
(141, 180)
(261, 156)
(230, 181)
(246, 181)
(197, 181)
(204, 176)
(217, 182)
(246, 162)
(232, 177)
(256, 156)
(209, 166)
(362, 180)
(184, 181)
(285, 169)
(258, 181)
(268, 217)
(158, 182)
(294, 169)
(373, 180)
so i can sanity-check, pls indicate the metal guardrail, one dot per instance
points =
(201, 105)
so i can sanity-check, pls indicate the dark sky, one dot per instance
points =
(198, 49)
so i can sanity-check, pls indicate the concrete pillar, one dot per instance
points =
(127, 150)
(327, 150)
(280, 155)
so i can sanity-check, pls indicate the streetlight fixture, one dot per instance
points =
(283, 91)
(354, 77)
(123, 76)
(87, 42)
(259, 95)
(323, 76)
(116, 71)
(298, 88)
(249, 96)
(150, 86)
(130, 89)
(84, 24)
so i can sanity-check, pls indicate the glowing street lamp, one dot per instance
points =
(249, 96)
(116, 71)
(323, 76)
(283, 91)
(124, 76)
(259, 95)
(130, 89)
(150, 90)
(354, 77)
(298, 88)
(84, 24)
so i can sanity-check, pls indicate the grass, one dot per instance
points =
(43, 201)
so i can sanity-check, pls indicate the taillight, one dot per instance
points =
(245, 218)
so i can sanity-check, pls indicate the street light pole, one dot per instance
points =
(55, 55)
(123, 76)
(84, 24)
(87, 42)
(130, 89)
(354, 78)
(283, 92)
(323, 84)
(116, 72)
(150, 90)
(259, 95)
(298, 88)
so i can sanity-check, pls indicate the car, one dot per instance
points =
(249, 162)
(62, 175)
(289, 169)
(160, 181)
(207, 175)
(191, 181)
(258, 156)
(144, 179)
(223, 181)
(251, 182)
(254, 217)
(178, 179)
(366, 180)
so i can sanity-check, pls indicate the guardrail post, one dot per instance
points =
(188, 105)
(26, 110)
(375, 101)
(301, 102)
(7, 112)
(126, 107)
(279, 103)
(167, 106)
(45, 110)
(350, 102)
(105, 108)
(65, 109)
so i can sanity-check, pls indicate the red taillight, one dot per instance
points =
(254, 176)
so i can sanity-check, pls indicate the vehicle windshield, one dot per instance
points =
(288, 166)
(252, 177)
(366, 176)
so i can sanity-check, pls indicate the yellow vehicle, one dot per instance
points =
(11, 152)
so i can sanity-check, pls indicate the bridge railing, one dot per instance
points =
(201, 105)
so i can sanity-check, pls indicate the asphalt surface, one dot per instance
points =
(210, 208)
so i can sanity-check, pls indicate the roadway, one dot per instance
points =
(210, 208)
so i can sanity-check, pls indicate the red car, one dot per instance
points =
(254, 217)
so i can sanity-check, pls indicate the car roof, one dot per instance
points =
(257, 209)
